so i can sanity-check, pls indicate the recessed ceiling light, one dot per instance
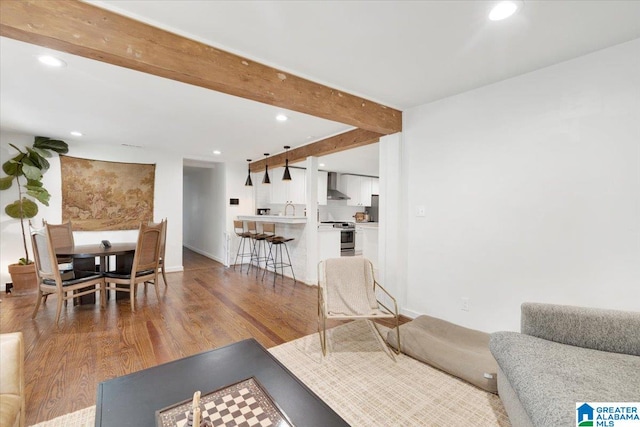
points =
(75, 133)
(504, 9)
(282, 118)
(51, 61)
(321, 165)
(217, 152)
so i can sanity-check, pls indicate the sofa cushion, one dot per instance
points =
(549, 377)
(596, 328)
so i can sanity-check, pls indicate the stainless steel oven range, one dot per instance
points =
(347, 236)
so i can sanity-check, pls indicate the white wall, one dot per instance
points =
(168, 181)
(532, 193)
(236, 175)
(204, 210)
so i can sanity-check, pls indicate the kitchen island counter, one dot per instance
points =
(289, 219)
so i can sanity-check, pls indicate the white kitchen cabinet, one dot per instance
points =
(283, 192)
(358, 188)
(322, 187)
(365, 191)
(375, 186)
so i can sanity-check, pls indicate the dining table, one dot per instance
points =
(84, 259)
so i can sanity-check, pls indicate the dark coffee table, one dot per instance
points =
(132, 400)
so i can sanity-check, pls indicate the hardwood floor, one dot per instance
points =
(204, 307)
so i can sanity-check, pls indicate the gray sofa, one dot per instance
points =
(565, 355)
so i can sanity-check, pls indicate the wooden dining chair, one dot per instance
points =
(51, 281)
(61, 237)
(146, 262)
(163, 247)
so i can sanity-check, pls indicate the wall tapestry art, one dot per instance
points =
(99, 195)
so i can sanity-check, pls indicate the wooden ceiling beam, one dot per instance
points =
(86, 30)
(334, 144)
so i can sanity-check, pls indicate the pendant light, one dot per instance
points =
(287, 175)
(266, 179)
(248, 182)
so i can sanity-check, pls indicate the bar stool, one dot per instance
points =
(238, 228)
(275, 261)
(259, 245)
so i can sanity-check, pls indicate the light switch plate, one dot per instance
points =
(421, 211)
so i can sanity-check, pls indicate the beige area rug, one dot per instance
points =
(366, 387)
(83, 418)
(363, 384)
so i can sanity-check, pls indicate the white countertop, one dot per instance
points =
(290, 219)
(363, 225)
(325, 228)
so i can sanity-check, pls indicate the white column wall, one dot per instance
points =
(311, 228)
(392, 243)
(236, 175)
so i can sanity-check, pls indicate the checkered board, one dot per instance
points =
(244, 404)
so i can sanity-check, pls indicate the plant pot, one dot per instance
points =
(23, 276)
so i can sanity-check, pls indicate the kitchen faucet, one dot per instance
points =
(287, 206)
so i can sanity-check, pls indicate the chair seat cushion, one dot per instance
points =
(73, 277)
(126, 274)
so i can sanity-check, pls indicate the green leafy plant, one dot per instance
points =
(27, 170)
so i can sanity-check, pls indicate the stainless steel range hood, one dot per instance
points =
(332, 188)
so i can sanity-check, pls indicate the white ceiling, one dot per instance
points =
(399, 53)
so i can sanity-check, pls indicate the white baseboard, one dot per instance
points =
(409, 313)
(204, 253)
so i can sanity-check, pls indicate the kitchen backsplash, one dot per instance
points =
(339, 211)
(335, 210)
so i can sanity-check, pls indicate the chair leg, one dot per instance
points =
(164, 276)
(59, 307)
(38, 301)
(240, 245)
(384, 341)
(132, 295)
(269, 259)
(155, 286)
(275, 268)
(398, 334)
(103, 295)
(290, 265)
(322, 332)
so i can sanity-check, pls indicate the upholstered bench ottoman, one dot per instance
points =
(457, 350)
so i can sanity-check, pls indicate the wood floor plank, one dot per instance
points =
(203, 307)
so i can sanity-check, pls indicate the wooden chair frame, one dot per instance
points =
(51, 281)
(144, 269)
(163, 248)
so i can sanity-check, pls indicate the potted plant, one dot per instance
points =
(27, 169)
